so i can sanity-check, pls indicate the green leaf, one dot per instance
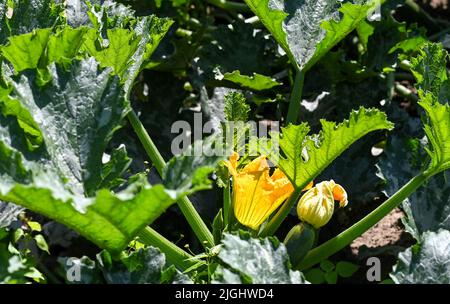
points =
(77, 114)
(331, 277)
(128, 51)
(257, 82)
(307, 156)
(41, 243)
(16, 267)
(327, 265)
(109, 14)
(122, 44)
(425, 263)
(24, 16)
(65, 44)
(263, 261)
(437, 128)
(25, 51)
(365, 30)
(315, 276)
(236, 107)
(308, 29)
(34, 226)
(346, 269)
(429, 69)
(218, 227)
(125, 50)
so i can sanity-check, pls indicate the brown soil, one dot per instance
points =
(385, 240)
(439, 4)
(388, 232)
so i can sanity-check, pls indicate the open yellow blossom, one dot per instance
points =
(316, 206)
(256, 193)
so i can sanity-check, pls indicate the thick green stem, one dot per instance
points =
(230, 6)
(195, 221)
(279, 217)
(149, 146)
(296, 98)
(332, 246)
(174, 254)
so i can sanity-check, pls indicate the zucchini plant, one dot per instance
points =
(91, 93)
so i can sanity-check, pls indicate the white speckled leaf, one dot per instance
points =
(264, 261)
(425, 263)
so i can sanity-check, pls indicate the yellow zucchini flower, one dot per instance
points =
(256, 193)
(316, 207)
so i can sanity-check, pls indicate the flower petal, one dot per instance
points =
(340, 195)
(232, 163)
(257, 165)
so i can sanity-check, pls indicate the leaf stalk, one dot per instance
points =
(187, 208)
(337, 243)
(296, 97)
(174, 254)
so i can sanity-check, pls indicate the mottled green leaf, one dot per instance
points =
(224, 276)
(428, 208)
(76, 13)
(425, 263)
(77, 113)
(84, 267)
(263, 261)
(308, 29)
(143, 266)
(272, 16)
(8, 214)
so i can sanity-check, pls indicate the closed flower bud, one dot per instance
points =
(299, 241)
(316, 207)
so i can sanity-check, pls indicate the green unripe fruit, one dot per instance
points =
(299, 241)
